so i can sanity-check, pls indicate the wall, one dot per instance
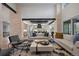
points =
(0, 26)
(70, 11)
(15, 24)
(4, 16)
(34, 10)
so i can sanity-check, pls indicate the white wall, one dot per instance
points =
(70, 11)
(37, 10)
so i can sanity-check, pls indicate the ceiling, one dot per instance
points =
(36, 4)
(37, 12)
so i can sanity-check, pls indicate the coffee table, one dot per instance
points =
(37, 47)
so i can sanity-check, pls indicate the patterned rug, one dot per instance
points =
(56, 52)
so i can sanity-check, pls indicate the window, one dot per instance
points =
(71, 26)
(67, 27)
(6, 29)
(76, 26)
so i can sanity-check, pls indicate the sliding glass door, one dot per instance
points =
(76, 26)
(67, 27)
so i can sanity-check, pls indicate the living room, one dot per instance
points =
(43, 28)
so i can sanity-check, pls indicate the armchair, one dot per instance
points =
(19, 44)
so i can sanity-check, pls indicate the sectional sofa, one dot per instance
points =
(67, 44)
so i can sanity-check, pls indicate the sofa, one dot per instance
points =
(68, 45)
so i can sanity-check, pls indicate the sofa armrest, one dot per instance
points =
(77, 44)
(76, 49)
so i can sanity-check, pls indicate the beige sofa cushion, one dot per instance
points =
(66, 44)
(76, 49)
